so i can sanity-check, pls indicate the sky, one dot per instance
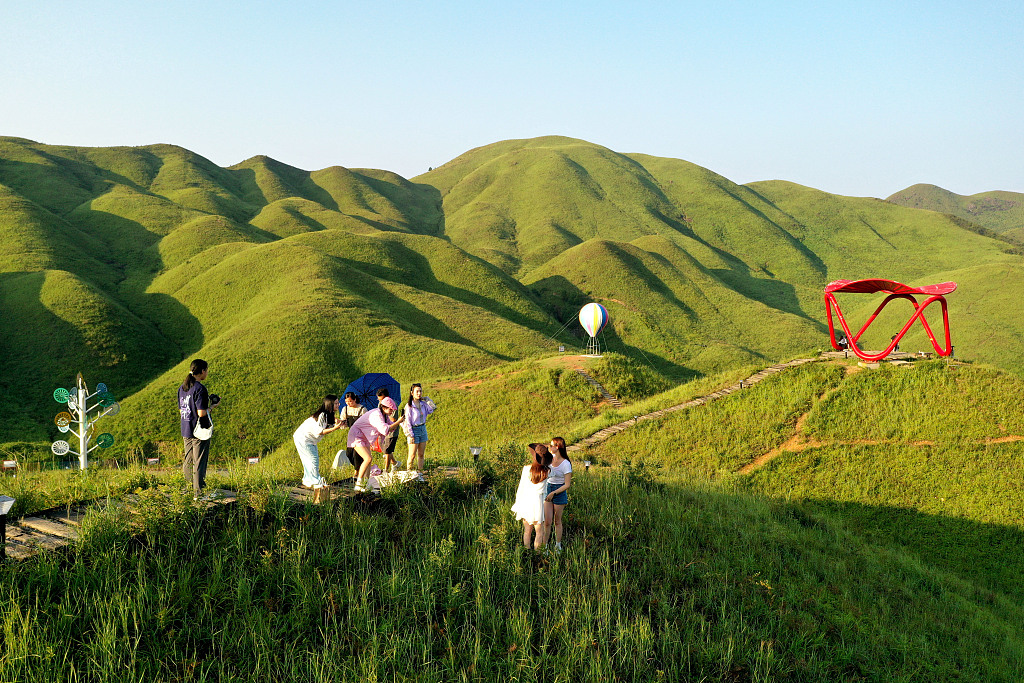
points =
(855, 98)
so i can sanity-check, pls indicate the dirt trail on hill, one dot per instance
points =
(800, 441)
(608, 432)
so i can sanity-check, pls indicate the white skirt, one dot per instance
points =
(529, 505)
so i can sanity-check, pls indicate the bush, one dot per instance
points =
(500, 469)
(628, 379)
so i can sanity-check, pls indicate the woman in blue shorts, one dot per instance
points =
(418, 408)
(559, 481)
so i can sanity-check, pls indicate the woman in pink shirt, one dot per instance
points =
(371, 425)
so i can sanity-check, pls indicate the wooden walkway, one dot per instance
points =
(608, 396)
(608, 432)
(59, 527)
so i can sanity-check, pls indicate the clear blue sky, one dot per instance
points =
(857, 98)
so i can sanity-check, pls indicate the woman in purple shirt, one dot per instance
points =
(417, 409)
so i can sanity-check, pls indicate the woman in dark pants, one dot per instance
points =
(194, 406)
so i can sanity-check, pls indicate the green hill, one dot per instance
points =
(922, 457)
(124, 263)
(999, 211)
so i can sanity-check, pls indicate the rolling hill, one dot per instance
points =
(124, 263)
(999, 211)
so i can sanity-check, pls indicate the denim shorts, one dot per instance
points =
(419, 434)
(560, 498)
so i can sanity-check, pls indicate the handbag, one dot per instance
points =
(203, 433)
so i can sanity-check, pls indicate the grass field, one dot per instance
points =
(866, 555)
(659, 582)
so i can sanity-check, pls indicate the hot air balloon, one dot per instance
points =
(593, 318)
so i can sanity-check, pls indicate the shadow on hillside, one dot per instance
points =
(989, 555)
(428, 217)
(42, 351)
(559, 297)
(739, 277)
(612, 343)
(423, 277)
(65, 182)
(407, 316)
(418, 204)
(294, 183)
(133, 249)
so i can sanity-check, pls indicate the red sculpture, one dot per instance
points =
(896, 290)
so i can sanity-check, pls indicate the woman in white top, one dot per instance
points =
(529, 505)
(308, 435)
(559, 481)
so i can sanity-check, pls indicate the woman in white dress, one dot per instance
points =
(529, 505)
(308, 435)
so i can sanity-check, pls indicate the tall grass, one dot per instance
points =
(663, 583)
(723, 435)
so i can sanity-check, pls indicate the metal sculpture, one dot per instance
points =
(896, 290)
(77, 421)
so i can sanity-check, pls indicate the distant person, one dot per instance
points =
(417, 409)
(320, 422)
(896, 347)
(557, 497)
(529, 505)
(843, 344)
(372, 427)
(387, 445)
(349, 414)
(194, 407)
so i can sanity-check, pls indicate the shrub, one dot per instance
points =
(627, 378)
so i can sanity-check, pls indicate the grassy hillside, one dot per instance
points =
(999, 211)
(660, 582)
(740, 269)
(883, 539)
(124, 263)
(925, 458)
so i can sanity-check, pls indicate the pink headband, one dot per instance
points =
(388, 402)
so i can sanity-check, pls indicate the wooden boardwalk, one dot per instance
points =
(608, 396)
(59, 527)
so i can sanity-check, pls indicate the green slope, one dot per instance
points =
(999, 211)
(924, 458)
(475, 263)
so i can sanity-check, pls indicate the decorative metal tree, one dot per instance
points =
(77, 420)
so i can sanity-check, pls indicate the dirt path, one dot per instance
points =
(800, 441)
(608, 432)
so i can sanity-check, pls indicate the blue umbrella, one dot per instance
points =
(365, 388)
